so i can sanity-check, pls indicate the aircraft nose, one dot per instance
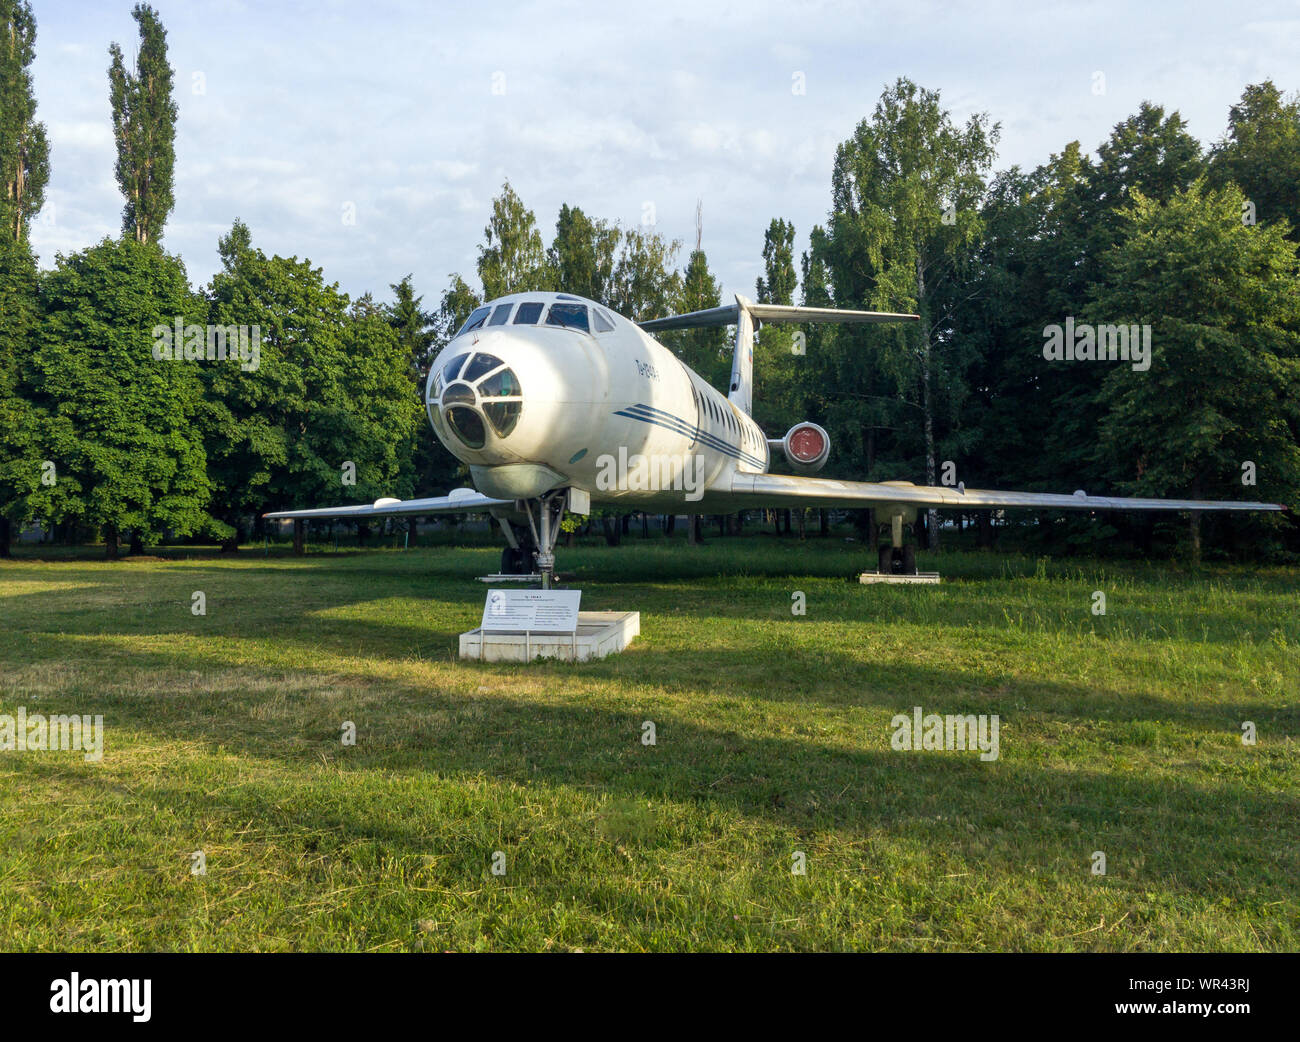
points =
(475, 395)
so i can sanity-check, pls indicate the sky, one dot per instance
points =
(407, 117)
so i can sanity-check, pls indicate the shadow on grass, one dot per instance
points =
(1195, 836)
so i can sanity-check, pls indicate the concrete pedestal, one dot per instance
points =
(599, 633)
(921, 578)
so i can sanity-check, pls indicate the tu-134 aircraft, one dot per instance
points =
(558, 404)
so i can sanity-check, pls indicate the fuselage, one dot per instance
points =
(544, 390)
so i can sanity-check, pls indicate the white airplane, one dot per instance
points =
(556, 404)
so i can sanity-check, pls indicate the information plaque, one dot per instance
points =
(531, 611)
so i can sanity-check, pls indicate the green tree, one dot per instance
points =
(780, 376)
(1223, 388)
(20, 466)
(458, 302)
(1261, 153)
(119, 424)
(905, 221)
(144, 129)
(326, 414)
(582, 254)
(704, 350)
(512, 258)
(24, 151)
(24, 170)
(778, 262)
(413, 326)
(646, 283)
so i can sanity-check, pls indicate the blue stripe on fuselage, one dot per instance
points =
(660, 418)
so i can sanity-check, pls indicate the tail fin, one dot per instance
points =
(743, 314)
(741, 393)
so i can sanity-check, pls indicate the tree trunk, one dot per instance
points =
(298, 548)
(984, 519)
(670, 526)
(110, 542)
(137, 544)
(6, 537)
(803, 533)
(613, 527)
(825, 522)
(1194, 525)
(693, 534)
(927, 409)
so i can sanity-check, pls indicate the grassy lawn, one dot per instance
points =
(1120, 733)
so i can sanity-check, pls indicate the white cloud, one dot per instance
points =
(312, 104)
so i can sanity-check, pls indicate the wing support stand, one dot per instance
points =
(898, 559)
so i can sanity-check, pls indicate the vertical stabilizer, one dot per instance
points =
(741, 393)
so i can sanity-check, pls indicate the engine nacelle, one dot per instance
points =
(807, 447)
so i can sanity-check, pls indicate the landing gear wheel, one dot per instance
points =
(909, 560)
(886, 561)
(514, 561)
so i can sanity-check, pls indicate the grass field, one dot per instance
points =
(1119, 733)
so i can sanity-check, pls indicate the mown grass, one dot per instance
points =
(1119, 733)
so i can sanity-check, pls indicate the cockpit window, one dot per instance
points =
(501, 384)
(468, 426)
(452, 369)
(603, 324)
(479, 365)
(475, 320)
(528, 314)
(500, 315)
(571, 316)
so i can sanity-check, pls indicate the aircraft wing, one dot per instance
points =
(461, 501)
(781, 490)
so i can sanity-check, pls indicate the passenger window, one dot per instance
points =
(570, 316)
(500, 315)
(528, 314)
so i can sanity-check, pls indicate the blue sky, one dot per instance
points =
(414, 113)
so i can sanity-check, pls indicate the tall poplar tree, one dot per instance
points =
(24, 170)
(144, 129)
(24, 151)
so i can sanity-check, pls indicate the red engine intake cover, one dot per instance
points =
(807, 443)
(807, 446)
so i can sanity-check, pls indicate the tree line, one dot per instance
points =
(111, 426)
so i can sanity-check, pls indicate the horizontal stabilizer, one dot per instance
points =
(775, 314)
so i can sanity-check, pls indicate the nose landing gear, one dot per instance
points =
(531, 553)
